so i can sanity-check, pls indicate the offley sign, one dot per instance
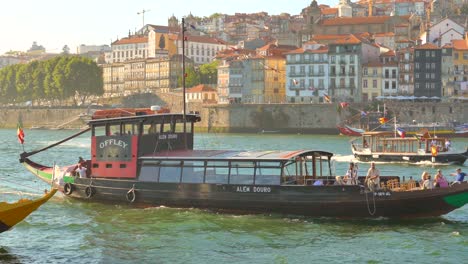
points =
(113, 148)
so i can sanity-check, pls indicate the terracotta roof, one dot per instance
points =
(385, 34)
(390, 53)
(355, 20)
(349, 39)
(131, 40)
(200, 88)
(203, 39)
(460, 44)
(427, 46)
(329, 11)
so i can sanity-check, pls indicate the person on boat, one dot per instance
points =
(81, 171)
(459, 176)
(82, 161)
(426, 182)
(373, 178)
(439, 180)
(448, 144)
(340, 180)
(351, 175)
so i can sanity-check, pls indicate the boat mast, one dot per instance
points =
(183, 81)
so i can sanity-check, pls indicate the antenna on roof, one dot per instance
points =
(142, 13)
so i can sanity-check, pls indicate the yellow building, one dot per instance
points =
(371, 81)
(460, 66)
(275, 79)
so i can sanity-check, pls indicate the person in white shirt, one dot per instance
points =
(351, 175)
(81, 170)
(373, 178)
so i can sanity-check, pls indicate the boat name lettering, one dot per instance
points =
(253, 189)
(382, 194)
(109, 142)
(170, 136)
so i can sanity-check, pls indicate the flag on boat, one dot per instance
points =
(20, 133)
(344, 104)
(401, 132)
(363, 114)
(326, 98)
(434, 150)
(383, 120)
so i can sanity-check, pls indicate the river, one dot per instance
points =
(69, 231)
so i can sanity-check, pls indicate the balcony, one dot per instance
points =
(317, 74)
(296, 87)
(297, 74)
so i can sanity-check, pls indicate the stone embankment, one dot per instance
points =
(266, 118)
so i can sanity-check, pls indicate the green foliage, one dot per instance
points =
(209, 73)
(464, 9)
(192, 78)
(61, 78)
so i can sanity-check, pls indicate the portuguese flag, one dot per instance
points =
(20, 133)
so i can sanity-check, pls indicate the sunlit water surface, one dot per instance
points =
(69, 231)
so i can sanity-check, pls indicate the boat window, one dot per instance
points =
(130, 129)
(168, 128)
(292, 173)
(242, 172)
(179, 127)
(268, 173)
(151, 128)
(149, 172)
(217, 172)
(99, 131)
(193, 171)
(170, 171)
(114, 130)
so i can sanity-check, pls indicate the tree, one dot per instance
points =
(464, 9)
(65, 50)
(192, 78)
(209, 73)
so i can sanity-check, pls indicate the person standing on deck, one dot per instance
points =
(460, 176)
(351, 174)
(373, 178)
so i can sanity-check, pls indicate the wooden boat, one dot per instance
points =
(384, 146)
(13, 213)
(155, 164)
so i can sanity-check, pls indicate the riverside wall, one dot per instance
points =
(267, 118)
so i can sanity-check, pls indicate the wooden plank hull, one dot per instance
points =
(327, 201)
(13, 213)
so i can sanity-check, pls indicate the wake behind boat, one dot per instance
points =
(149, 160)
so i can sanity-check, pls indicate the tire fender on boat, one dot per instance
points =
(89, 191)
(68, 188)
(131, 196)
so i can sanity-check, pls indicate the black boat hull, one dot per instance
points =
(323, 201)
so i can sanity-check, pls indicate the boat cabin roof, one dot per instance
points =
(158, 118)
(223, 155)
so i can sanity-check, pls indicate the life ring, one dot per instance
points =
(89, 191)
(131, 196)
(68, 188)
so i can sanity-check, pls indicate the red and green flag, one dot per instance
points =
(20, 133)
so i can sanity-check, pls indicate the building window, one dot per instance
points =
(365, 72)
(374, 83)
(416, 66)
(417, 54)
(364, 84)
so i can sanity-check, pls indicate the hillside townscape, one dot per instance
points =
(355, 52)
